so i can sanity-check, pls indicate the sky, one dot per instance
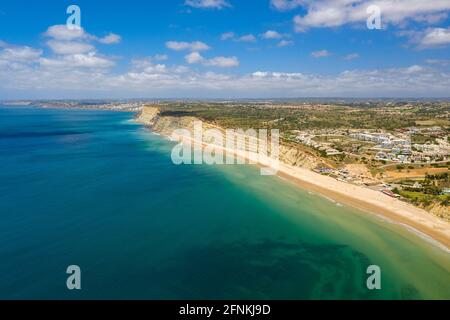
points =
(225, 49)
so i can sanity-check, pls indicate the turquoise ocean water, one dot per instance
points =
(94, 189)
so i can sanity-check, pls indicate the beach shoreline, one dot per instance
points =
(425, 225)
(358, 197)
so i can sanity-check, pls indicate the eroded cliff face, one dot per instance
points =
(166, 125)
(440, 211)
(296, 157)
(148, 115)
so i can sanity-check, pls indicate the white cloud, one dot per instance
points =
(246, 38)
(181, 69)
(69, 47)
(439, 62)
(414, 69)
(73, 69)
(160, 57)
(352, 56)
(227, 36)
(285, 43)
(20, 54)
(399, 82)
(111, 38)
(216, 76)
(284, 5)
(208, 4)
(147, 62)
(232, 36)
(63, 33)
(260, 74)
(59, 79)
(428, 38)
(271, 34)
(194, 57)
(436, 37)
(335, 13)
(157, 68)
(320, 54)
(74, 49)
(221, 62)
(90, 60)
(190, 46)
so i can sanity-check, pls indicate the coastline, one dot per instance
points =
(413, 219)
(372, 202)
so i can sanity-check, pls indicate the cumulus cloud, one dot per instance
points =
(271, 34)
(90, 60)
(284, 5)
(320, 54)
(160, 57)
(59, 78)
(208, 4)
(335, 13)
(25, 70)
(111, 38)
(74, 48)
(187, 46)
(232, 36)
(194, 57)
(246, 38)
(351, 56)
(22, 54)
(227, 36)
(438, 62)
(285, 43)
(63, 33)
(396, 82)
(141, 63)
(414, 69)
(221, 62)
(428, 38)
(69, 47)
(74, 65)
(436, 37)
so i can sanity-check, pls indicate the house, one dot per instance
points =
(381, 156)
(390, 193)
(417, 185)
(332, 152)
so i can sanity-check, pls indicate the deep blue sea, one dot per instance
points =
(95, 189)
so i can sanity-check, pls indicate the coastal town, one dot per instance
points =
(380, 145)
(117, 105)
(412, 154)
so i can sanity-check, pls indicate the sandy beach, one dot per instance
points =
(370, 201)
(359, 197)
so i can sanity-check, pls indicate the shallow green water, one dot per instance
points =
(93, 189)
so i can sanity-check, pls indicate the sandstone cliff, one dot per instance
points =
(165, 125)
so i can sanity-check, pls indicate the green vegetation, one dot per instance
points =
(302, 116)
(424, 199)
